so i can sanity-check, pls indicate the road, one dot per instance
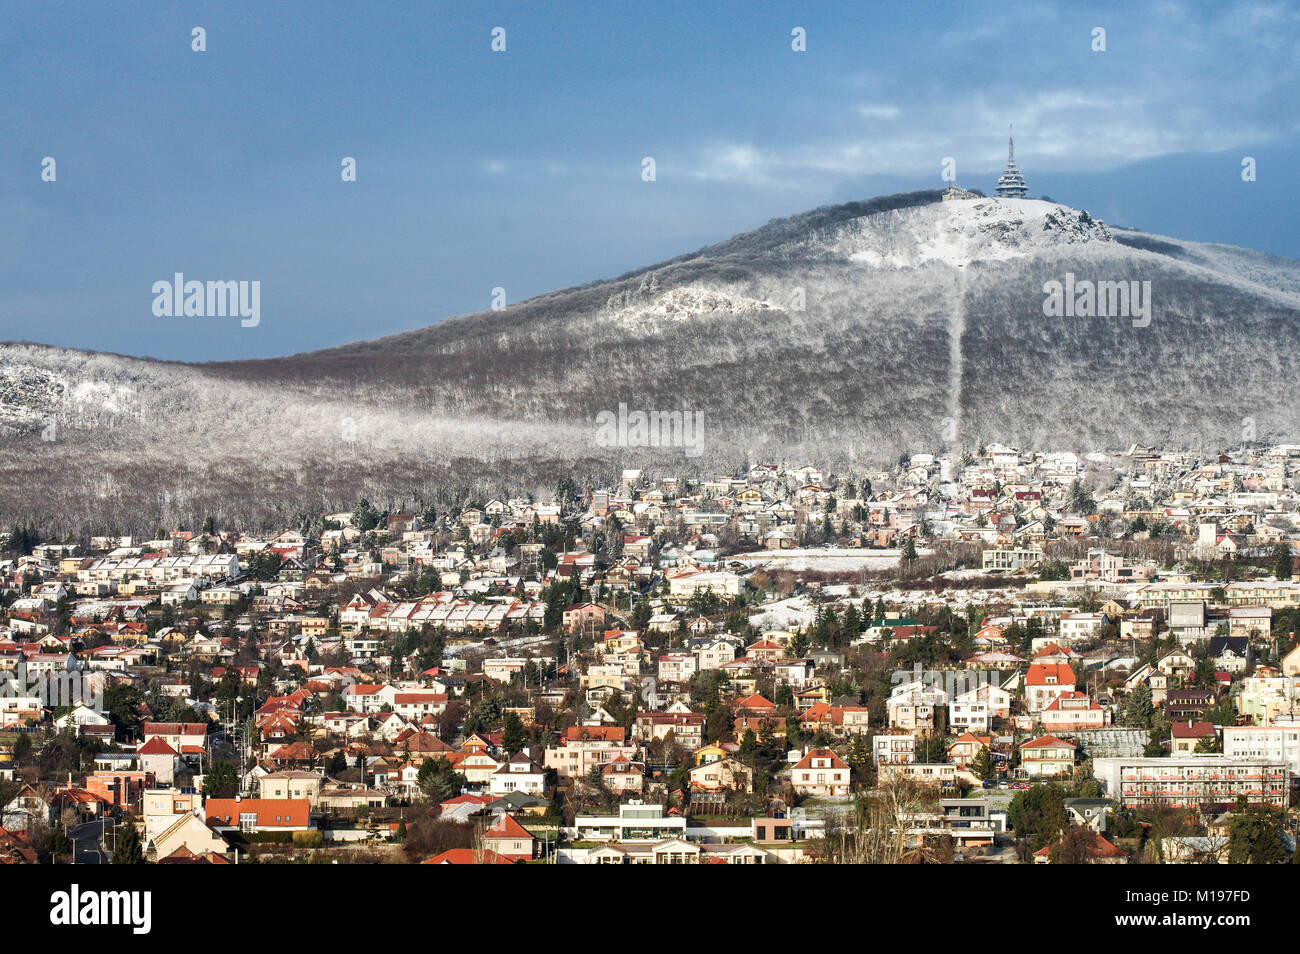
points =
(87, 841)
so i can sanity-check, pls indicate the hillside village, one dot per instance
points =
(1008, 658)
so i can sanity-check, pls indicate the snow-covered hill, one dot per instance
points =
(847, 334)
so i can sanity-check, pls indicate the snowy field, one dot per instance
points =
(827, 559)
(502, 646)
(790, 614)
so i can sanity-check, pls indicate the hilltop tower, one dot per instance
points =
(1011, 184)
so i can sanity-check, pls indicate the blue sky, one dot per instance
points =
(522, 169)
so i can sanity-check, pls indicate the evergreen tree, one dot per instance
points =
(512, 733)
(859, 756)
(1155, 747)
(852, 625)
(930, 750)
(365, 517)
(1039, 812)
(127, 850)
(1255, 836)
(221, 780)
(1282, 561)
(748, 747)
(1138, 708)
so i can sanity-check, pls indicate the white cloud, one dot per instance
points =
(878, 112)
(1178, 80)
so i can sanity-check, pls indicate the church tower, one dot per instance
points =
(1011, 184)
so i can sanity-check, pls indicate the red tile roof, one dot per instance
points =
(156, 746)
(604, 733)
(271, 812)
(1100, 848)
(507, 827)
(807, 760)
(466, 856)
(1040, 674)
(1194, 730)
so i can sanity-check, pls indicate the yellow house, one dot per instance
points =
(131, 636)
(314, 625)
(1291, 663)
(192, 832)
(810, 697)
(709, 753)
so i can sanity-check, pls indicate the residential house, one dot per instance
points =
(510, 840)
(1047, 757)
(1188, 735)
(518, 774)
(1044, 682)
(1073, 712)
(820, 772)
(725, 774)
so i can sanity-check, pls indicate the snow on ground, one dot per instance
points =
(957, 598)
(827, 559)
(519, 642)
(964, 231)
(965, 574)
(792, 613)
(682, 304)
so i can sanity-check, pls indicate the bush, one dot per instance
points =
(268, 837)
(308, 839)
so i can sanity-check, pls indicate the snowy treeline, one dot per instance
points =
(845, 336)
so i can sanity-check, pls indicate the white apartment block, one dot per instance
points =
(1276, 743)
(1192, 781)
(894, 749)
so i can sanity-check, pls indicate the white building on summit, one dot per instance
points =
(1011, 184)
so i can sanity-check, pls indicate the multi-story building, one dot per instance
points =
(1079, 626)
(820, 772)
(969, 713)
(912, 706)
(678, 667)
(1276, 743)
(894, 749)
(583, 747)
(1047, 757)
(1046, 681)
(1072, 711)
(1194, 780)
(1011, 559)
(635, 821)
(687, 728)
